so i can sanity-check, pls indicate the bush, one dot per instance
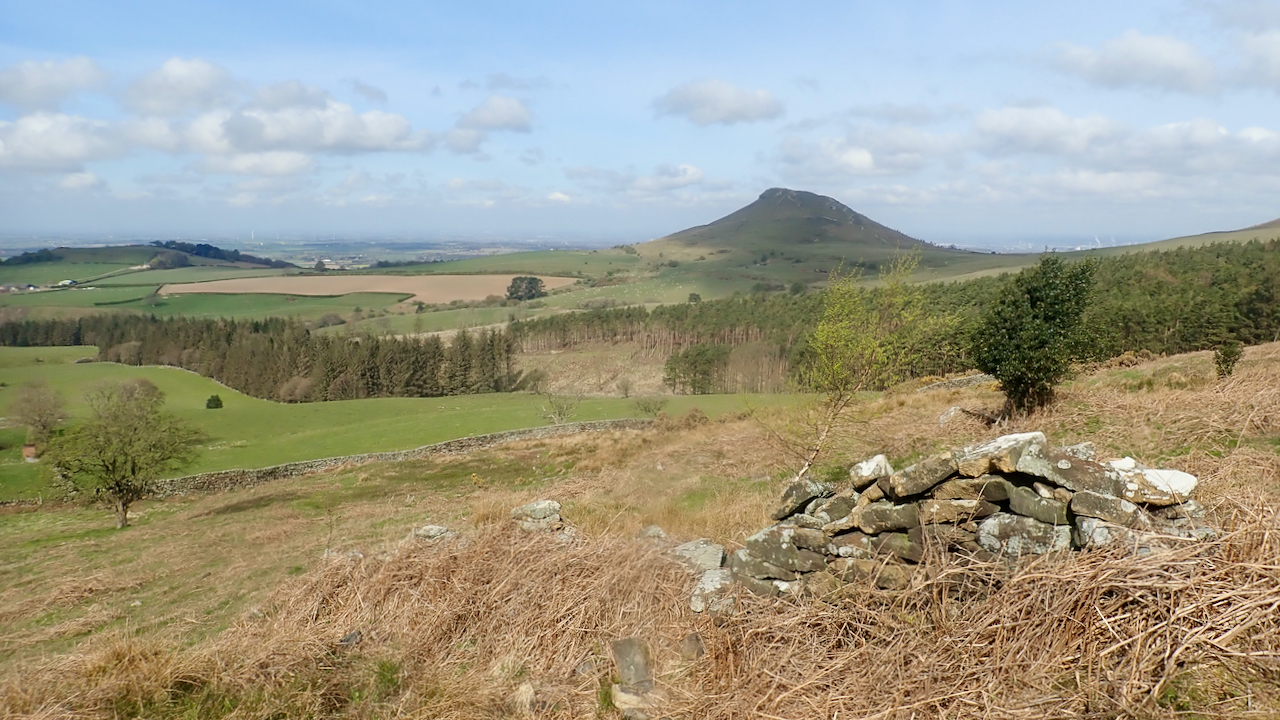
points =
(651, 406)
(1033, 332)
(213, 403)
(525, 287)
(1225, 357)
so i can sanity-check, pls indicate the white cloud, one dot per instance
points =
(1137, 60)
(1041, 130)
(668, 177)
(80, 181)
(497, 112)
(42, 85)
(559, 197)
(710, 102)
(182, 86)
(867, 150)
(323, 124)
(262, 163)
(665, 179)
(464, 142)
(54, 141)
(1262, 58)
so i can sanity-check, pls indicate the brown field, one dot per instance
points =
(424, 288)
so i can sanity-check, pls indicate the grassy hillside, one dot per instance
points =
(232, 604)
(248, 432)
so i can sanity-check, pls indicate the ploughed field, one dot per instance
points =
(424, 288)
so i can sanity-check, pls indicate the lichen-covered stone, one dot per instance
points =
(873, 493)
(991, 488)
(1069, 471)
(786, 547)
(1104, 507)
(743, 563)
(851, 544)
(1188, 509)
(712, 585)
(1024, 501)
(797, 494)
(901, 545)
(869, 471)
(919, 478)
(757, 586)
(953, 511)
(946, 536)
(820, 584)
(1000, 454)
(1157, 487)
(536, 510)
(837, 506)
(801, 520)
(1016, 535)
(878, 517)
(1084, 451)
(886, 576)
(700, 555)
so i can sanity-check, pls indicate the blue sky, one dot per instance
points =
(969, 122)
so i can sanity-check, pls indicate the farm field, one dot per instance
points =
(53, 273)
(190, 275)
(433, 289)
(248, 432)
(542, 262)
(141, 300)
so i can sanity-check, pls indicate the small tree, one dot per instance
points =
(560, 409)
(1034, 331)
(624, 386)
(213, 403)
(524, 287)
(1225, 357)
(126, 444)
(40, 408)
(319, 266)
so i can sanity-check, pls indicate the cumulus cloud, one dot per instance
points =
(1040, 129)
(262, 163)
(896, 149)
(497, 112)
(54, 141)
(666, 178)
(711, 102)
(1262, 58)
(43, 85)
(559, 197)
(80, 181)
(1137, 60)
(182, 86)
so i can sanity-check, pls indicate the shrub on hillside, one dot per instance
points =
(213, 403)
(1225, 357)
(1033, 332)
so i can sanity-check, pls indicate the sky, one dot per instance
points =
(980, 123)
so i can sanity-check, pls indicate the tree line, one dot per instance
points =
(280, 359)
(1164, 302)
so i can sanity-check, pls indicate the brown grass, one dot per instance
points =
(425, 288)
(456, 629)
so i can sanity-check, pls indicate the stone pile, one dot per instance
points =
(1013, 496)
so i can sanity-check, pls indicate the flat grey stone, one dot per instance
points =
(869, 471)
(743, 564)
(1104, 507)
(536, 510)
(1025, 501)
(991, 488)
(1015, 535)
(631, 656)
(797, 494)
(1070, 472)
(713, 585)
(700, 555)
(1000, 454)
(953, 511)
(919, 478)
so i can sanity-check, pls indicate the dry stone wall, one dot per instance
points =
(231, 479)
(1013, 496)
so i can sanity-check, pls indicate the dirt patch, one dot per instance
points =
(425, 288)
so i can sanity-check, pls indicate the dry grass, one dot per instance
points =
(457, 629)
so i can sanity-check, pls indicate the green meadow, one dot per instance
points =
(248, 432)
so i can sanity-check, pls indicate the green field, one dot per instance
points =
(139, 299)
(189, 275)
(56, 272)
(249, 432)
(543, 262)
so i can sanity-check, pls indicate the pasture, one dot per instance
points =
(248, 432)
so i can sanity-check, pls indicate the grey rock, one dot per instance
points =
(653, 532)
(1015, 535)
(1044, 491)
(919, 478)
(900, 545)
(806, 521)
(537, 510)
(1093, 533)
(1188, 509)
(1000, 454)
(757, 586)
(1063, 495)
(633, 705)
(797, 494)
(700, 555)
(838, 506)
(713, 585)
(946, 536)
(432, 532)
(352, 638)
(1070, 472)
(991, 488)
(743, 564)
(1084, 451)
(852, 544)
(953, 511)
(1157, 487)
(1024, 501)
(819, 584)
(631, 656)
(869, 471)
(541, 525)
(873, 493)
(813, 505)
(887, 576)
(692, 647)
(1104, 507)
(876, 518)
